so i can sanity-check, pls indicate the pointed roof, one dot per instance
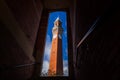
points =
(57, 19)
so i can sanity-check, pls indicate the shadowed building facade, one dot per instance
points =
(56, 60)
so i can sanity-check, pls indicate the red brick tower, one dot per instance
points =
(56, 60)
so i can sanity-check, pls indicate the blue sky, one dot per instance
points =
(52, 18)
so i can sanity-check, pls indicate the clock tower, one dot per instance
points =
(56, 59)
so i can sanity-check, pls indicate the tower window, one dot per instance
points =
(60, 41)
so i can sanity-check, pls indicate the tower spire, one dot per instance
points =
(58, 18)
(56, 60)
(57, 22)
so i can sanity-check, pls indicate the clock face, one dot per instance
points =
(54, 36)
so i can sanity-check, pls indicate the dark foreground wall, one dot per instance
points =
(98, 56)
(19, 22)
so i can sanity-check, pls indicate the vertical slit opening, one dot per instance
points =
(48, 44)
